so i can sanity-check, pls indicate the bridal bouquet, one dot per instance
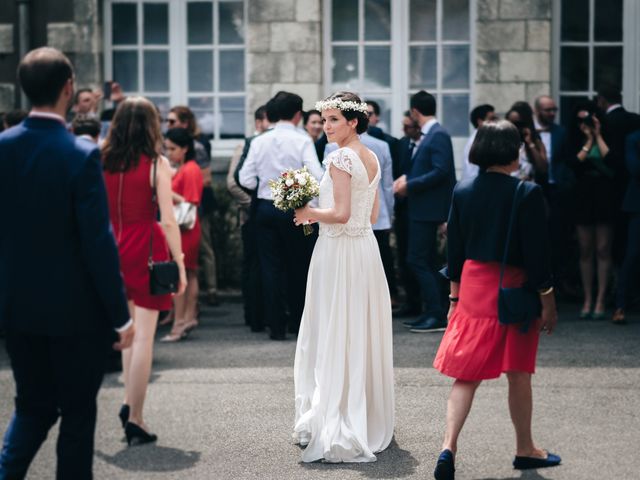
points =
(294, 189)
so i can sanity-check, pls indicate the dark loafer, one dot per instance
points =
(528, 463)
(445, 469)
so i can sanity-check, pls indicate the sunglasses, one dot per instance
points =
(550, 110)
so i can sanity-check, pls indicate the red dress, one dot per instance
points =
(476, 346)
(133, 217)
(188, 183)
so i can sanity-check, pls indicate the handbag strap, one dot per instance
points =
(154, 198)
(514, 209)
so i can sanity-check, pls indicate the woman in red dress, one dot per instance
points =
(476, 346)
(130, 151)
(187, 187)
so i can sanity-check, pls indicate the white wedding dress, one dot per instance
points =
(343, 371)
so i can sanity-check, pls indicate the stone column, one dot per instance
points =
(513, 51)
(284, 51)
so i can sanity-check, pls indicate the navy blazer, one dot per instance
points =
(431, 177)
(560, 172)
(632, 157)
(59, 264)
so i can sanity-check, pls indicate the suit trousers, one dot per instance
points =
(285, 254)
(251, 276)
(386, 255)
(631, 261)
(207, 254)
(407, 277)
(421, 258)
(56, 377)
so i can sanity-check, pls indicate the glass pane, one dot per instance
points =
(232, 71)
(574, 68)
(124, 28)
(385, 111)
(422, 20)
(607, 67)
(125, 70)
(232, 117)
(200, 23)
(156, 71)
(568, 107)
(163, 104)
(455, 20)
(200, 68)
(231, 20)
(422, 67)
(344, 20)
(156, 23)
(377, 67)
(575, 21)
(455, 114)
(608, 21)
(455, 66)
(345, 66)
(377, 20)
(202, 108)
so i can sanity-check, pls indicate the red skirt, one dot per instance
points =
(476, 346)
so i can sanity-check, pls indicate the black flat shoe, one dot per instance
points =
(445, 469)
(124, 414)
(137, 435)
(529, 463)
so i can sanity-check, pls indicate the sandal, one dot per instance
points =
(173, 337)
(618, 317)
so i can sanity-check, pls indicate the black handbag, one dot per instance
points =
(516, 305)
(164, 277)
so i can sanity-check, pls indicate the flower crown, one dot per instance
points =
(341, 105)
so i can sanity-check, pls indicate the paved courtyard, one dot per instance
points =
(222, 405)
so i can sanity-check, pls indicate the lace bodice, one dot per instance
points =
(363, 194)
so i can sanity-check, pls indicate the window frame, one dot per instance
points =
(630, 44)
(400, 90)
(178, 49)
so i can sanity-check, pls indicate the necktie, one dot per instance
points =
(412, 146)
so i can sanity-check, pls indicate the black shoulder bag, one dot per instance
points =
(164, 277)
(516, 305)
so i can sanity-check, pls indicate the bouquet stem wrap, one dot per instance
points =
(294, 189)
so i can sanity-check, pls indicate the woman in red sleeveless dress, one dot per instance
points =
(130, 151)
(187, 187)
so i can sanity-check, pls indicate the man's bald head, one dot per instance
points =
(42, 74)
(545, 108)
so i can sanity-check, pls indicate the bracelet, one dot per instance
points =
(545, 292)
(585, 149)
(453, 299)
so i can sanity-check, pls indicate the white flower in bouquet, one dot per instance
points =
(294, 189)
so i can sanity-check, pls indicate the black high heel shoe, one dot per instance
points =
(137, 435)
(445, 469)
(124, 414)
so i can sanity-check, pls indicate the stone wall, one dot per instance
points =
(513, 51)
(284, 51)
(6, 48)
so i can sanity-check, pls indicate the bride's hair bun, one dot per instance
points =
(354, 107)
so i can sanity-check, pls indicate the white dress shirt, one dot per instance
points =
(469, 170)
(275, 151)
(545, 136)
(427, 126)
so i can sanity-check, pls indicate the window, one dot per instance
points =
(590, 50)
(182, 52)
(387, 50)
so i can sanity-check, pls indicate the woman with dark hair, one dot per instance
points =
(133, 166)
(187, 187)
(533, 154)
(343, 371)
(476, 346)
(594, 202)
(312, 122)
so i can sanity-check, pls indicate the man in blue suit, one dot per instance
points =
(56, 237)
(428, 186)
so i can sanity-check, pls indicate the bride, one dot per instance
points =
(344, 361)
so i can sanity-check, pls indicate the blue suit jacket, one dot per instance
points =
(632, 157)
(431, 177)
(59, 264)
